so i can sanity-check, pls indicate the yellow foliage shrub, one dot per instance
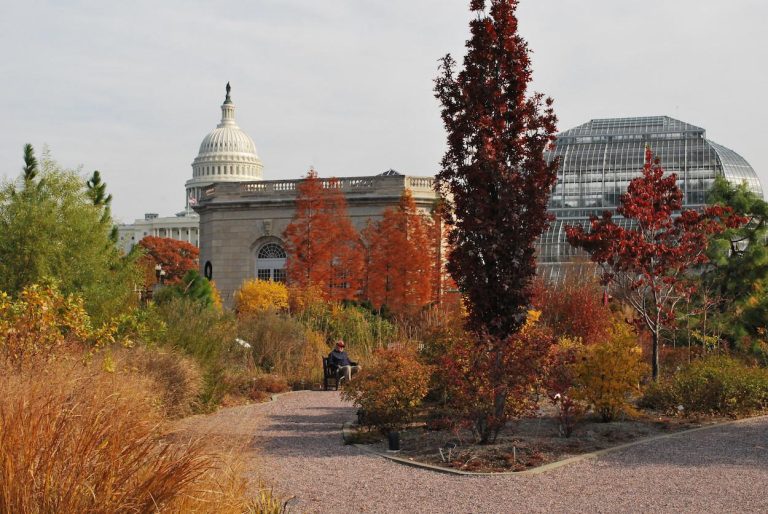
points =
(608, 373)
(40, 322)
(216, 297)
(255, 296)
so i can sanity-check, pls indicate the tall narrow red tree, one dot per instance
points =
(323, 247)
(648, 260)
(496, 182)
(494, 173)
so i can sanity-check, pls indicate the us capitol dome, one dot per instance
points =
(227, 154)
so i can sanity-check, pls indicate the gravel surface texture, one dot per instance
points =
(295, 444)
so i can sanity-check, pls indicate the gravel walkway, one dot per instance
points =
(295, 444)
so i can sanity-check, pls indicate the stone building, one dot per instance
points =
(183, 227)
(242, 217)
(241, 225)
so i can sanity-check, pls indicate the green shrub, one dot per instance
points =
(362, 330)
(716, 384)
(194, 287)
(205, 334)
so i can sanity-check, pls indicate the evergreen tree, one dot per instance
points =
(736, 279)
(50, 230)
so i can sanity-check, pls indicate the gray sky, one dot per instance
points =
(131, 88)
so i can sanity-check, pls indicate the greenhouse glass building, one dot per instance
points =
(599, 158)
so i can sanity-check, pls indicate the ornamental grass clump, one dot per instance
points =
(74, 439)
(390, 390)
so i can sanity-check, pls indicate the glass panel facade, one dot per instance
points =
(599, 158)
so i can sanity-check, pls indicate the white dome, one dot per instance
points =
(227, 140)
(227, 154)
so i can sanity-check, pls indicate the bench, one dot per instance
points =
(329, 375)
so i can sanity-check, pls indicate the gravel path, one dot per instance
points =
(295, 444)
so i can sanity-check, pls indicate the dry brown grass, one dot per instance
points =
(177, 378)
(75, 438)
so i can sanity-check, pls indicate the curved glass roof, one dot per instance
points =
(599, 158)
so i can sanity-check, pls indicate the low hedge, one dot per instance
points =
(713, 385)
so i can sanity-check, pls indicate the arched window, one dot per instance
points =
(270, 263)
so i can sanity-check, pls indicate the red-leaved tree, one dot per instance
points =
(323, 247)
(496, 182)
(176, 257)
(400, 261)
(491, 379)
(648, 257)
(494, 174)
(575, 308)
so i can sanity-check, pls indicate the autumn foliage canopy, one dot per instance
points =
(323, 247)
(400, 258)
(494, 174)
(648, 260)
(176, 257)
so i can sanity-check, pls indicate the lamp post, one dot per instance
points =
(159, 274)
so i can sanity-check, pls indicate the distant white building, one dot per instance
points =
(184, 227)
(226, 155)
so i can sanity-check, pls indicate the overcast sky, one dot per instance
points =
(131, 88)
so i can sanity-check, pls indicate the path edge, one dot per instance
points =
(347, 429)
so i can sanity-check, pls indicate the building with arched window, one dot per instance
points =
(242, 217)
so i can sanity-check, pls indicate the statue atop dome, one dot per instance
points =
(228, 99)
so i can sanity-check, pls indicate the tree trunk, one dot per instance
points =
(655, 356)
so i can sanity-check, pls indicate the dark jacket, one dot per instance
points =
(337, 358)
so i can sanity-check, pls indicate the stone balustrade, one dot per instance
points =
(346, 185)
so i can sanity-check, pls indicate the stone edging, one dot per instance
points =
(347, 428)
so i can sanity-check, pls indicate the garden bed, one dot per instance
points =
(526, 444)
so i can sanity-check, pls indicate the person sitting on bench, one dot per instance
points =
(339, 360)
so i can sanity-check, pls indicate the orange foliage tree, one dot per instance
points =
(323, 248)
(345, 259)
(400, 258)
(176, 257)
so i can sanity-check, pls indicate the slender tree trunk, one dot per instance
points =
(655, 356)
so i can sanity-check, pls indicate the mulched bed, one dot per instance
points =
(527, 443)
